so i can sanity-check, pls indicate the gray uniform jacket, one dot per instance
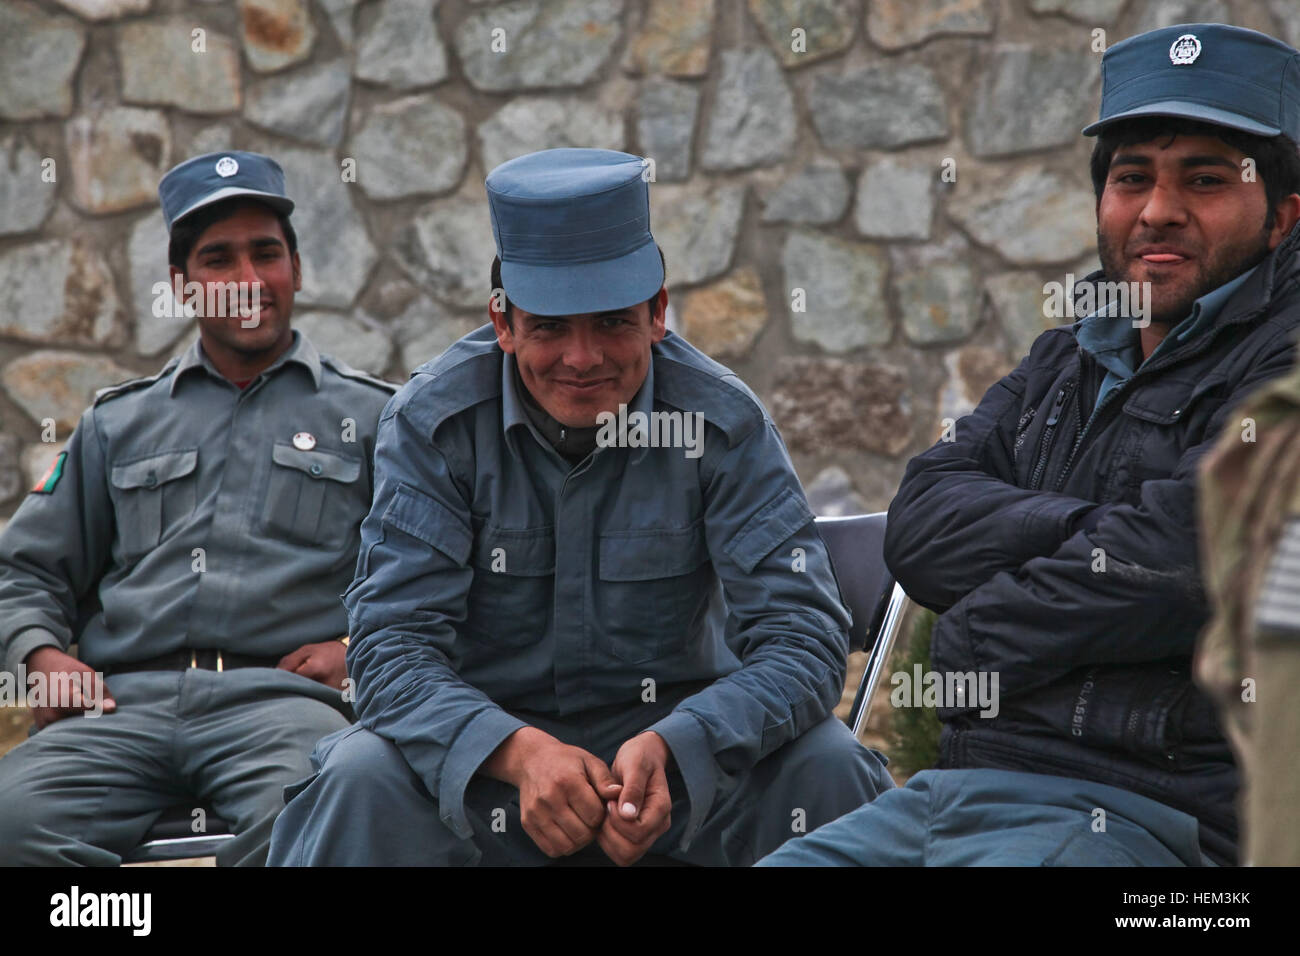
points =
(181, 515)
(498, 584)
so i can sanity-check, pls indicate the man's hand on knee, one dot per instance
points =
(84, 690)
(562, 789)
(643, 811)
(323, 662)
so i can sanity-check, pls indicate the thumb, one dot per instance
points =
(634, 781)
(104, 694)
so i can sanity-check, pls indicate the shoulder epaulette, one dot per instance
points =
(121, 388)
(347, 371)
(468, 373)
(688, 379)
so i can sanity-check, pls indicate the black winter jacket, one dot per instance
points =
(1001, 529)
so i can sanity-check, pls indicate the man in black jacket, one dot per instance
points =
(1057, 532)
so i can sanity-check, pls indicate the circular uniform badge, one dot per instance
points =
(1185, 50)
(226, 167)
(304, 441)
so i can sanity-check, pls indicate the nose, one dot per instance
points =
(582, 351)
(1164, 207)
(250, 283)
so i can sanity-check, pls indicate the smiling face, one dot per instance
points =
(577, 366)
(247, 247)
(1176, 213)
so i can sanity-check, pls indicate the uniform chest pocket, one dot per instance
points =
(654, 585)
(511, 598)
(154, 496)
(313, 496)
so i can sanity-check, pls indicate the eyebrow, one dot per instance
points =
(1187, 162)
(225, 245)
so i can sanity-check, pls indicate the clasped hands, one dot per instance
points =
(568, 797)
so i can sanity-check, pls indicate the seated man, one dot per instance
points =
(192, 539)
(564, 501)
(1057, 533)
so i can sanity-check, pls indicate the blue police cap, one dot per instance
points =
(572, 229)
(212, 177)
(1229, 76)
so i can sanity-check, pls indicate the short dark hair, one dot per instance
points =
(1277, 161)
(186, 232)
(496, 284)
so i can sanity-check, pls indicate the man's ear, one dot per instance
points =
(659, 316)
(1284, 220)
(497, 315)
(297, 273)
(177, 280)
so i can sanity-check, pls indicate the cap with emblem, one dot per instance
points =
(1220, 74)
(210, 178)
(572, 228)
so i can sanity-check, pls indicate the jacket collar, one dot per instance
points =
(300, 351)
(1236, 301)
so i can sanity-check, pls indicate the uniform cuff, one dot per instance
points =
(475, 744)
(1051, 521)
(685, 738)
(26, 641)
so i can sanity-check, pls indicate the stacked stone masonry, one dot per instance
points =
(859, 200)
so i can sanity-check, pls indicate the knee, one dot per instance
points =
(21, 819)
(830, 752)
(365, 762)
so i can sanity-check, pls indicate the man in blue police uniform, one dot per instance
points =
(1058, 534)
(192, 540)
(570, 636)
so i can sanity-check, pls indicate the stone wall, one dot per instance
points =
(859, 200)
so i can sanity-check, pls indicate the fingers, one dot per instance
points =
(589, 802)
(69, 693)
(624, 848)
(655, 816)
(312, 666)
(619, 848)
(294, 659)
(558, 834)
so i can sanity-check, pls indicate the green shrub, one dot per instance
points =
(913, 731)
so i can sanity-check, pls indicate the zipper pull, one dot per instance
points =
(1054, 415)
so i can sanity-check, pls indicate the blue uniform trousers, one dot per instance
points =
(366, 806)
(1001, 818)
(83, 791)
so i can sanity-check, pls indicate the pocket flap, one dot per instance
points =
(430, 521)
(1165, 406)
(652, 554)
(317, 463)
(155, 470)
(529, 553)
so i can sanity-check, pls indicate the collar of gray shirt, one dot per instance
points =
(300, 350)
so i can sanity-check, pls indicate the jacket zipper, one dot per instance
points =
(1106, 403)
(1049, 433)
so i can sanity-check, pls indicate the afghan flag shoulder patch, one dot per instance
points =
(52, 475)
